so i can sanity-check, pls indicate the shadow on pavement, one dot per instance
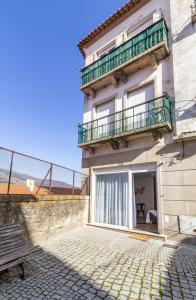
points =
(48, 276)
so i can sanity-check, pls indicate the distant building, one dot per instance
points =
(139, 128)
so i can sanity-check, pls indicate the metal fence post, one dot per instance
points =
(73, 185)
(39, 187)
(10, 173)
(50, 180)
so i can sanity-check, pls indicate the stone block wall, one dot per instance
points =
(178, 189)
(44, 216)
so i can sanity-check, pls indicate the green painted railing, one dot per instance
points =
(143, 41)
(142, 116)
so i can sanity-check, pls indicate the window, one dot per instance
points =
(139, 27)
(138, 116)
(140, 95)
(109, 47)
(104, 114)
(111, 201)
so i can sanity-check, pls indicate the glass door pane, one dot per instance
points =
(111, 200)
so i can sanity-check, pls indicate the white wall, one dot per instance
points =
(184, 64)
(134, 80)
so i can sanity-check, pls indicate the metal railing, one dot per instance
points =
(148, 38)
(24, 174)
(142, 116)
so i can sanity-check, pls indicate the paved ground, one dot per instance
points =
(91, 263)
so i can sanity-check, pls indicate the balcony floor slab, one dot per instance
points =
(159, 51)
(160, 128)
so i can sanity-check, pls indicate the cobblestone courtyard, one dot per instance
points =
(91, 263)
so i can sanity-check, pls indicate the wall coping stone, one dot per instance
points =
(39, 198)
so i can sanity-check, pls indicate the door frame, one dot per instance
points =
(131, 170)
(138, 170)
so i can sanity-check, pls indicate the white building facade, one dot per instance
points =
(139, 126)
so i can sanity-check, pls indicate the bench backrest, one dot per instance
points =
(12, 239)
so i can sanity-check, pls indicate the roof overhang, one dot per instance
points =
(120, 15)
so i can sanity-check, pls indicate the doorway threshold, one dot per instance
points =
(156, 236)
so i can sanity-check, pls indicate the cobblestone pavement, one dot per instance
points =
(91, 263)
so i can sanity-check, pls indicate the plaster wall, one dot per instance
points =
(183, 39)
(161, 78)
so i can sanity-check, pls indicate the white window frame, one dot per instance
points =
(137, 87)
(104, 50)
(138, 25)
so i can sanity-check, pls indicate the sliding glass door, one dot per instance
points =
(111, 199)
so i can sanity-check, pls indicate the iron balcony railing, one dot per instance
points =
(143, 41)
(144, 116)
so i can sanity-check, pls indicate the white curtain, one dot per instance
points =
(111, 201)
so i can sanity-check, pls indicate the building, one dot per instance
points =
(139, 127)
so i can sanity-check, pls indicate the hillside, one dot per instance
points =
(21, 178)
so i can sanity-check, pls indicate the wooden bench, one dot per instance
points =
(14, 247)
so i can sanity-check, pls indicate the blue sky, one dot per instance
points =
(40, 99)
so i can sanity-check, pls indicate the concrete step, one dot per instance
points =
(129, 231)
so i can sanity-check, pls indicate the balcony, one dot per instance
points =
(147, 47)
(153, 116)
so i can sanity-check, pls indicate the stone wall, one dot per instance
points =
(44, 216)
(178, 188)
